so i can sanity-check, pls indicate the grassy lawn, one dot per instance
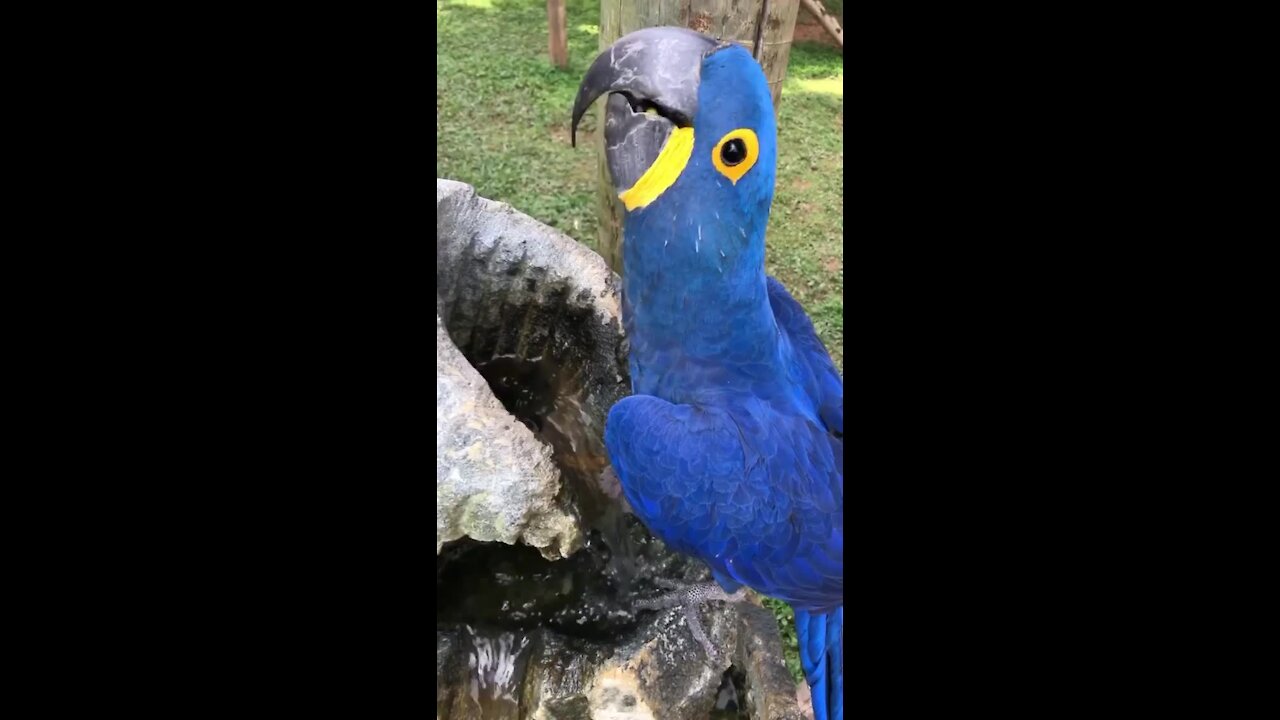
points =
(502, 125)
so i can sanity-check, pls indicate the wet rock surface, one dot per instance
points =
(538, 562)
(655, 672)
(494, 479)
(512, 287)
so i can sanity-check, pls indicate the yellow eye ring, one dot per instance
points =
(736, 153)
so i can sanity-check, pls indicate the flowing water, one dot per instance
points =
(496, 664)
(499, 593)
(589, 594)
(546, 396)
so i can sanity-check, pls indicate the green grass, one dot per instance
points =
(502, 110)
(502, 125)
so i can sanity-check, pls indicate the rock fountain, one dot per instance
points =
(538, 562)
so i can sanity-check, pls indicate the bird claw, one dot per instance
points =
(690, 598)
(695, 628)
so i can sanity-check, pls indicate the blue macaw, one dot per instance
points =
(731, 448)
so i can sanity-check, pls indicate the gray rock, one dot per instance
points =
(771, 693)
(669, 675)
(656, 673)
(560, 674)
(494, 480)
(664, 673)
(513, 289)
(511, 286)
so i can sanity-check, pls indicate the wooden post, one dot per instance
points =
(558, 34)
(735, 20)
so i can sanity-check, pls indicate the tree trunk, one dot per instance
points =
(557, 34)
(736, 20)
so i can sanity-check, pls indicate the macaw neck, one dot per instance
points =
(696, 306)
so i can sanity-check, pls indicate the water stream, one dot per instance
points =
(546, 395)
(496, 664)
(499, 593)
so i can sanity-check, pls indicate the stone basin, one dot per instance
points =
(538, 561)
(536, 315)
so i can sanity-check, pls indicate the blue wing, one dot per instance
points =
(818, 374)
(820, 636)
(754, 494)
(668, 458)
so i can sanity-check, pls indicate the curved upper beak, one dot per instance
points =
(651, 76)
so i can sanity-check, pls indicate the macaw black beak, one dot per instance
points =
(651, 76)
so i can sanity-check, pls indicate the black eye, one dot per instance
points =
(733, 152)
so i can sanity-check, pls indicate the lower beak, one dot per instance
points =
(632, 140)
(651, 77)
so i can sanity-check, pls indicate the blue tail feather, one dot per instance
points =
(821, 641)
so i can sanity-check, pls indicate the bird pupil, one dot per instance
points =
(733, 152)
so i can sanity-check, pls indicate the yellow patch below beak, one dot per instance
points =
(664, 171)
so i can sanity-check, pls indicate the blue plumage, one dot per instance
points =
(821, 640)
(731, 448)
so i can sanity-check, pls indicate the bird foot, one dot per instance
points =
(690, 598)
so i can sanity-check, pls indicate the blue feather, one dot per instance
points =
(821, 644)
(818, 372)
(732, 447)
